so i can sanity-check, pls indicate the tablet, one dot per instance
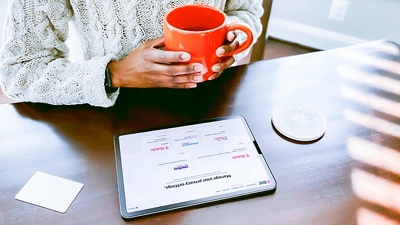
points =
(190, 164)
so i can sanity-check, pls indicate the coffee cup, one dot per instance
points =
(199, 30)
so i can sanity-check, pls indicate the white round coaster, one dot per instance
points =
(299, 121)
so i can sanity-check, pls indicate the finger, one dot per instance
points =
(183, 81)
(160, 56)
(153, 80)
(228, 48)
(175, 69)
(215, 75)
(223, 65)
(177, 82)
(167, 56)
(192, 78)
(185, 86)
(231, 36)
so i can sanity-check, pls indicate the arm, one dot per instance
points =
(34, 58)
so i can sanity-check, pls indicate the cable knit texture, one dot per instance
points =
(56, 51)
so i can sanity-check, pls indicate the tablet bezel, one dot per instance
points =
(121, 188)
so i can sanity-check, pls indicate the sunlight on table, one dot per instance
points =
(376, 183)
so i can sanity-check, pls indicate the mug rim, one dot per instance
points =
(195, 32)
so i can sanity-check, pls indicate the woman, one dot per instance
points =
(58, 51)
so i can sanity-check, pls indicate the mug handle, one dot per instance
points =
(246, 44)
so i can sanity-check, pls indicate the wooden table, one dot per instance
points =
(350, 176)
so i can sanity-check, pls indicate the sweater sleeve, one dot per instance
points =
(248, 12)
(34, 63)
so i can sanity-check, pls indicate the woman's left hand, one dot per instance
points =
(225, 62)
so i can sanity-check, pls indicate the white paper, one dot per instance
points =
(49, 191)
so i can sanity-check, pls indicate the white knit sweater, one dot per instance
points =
(56, 51)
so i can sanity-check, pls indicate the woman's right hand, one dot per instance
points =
(148, 67)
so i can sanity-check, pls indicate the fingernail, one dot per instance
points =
(231, 36)
(198, 78)
(216, 68)
(192, 85)
(220, 51)
(198, 68)
(185, 56)
(211, 77)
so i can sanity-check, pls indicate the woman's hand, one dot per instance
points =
(147, 67)
(225, 62)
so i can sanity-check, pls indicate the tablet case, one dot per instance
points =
(167, 168)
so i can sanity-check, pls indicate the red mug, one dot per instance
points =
(200, 30)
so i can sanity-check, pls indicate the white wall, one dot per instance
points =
(3, 10)
(327, 24)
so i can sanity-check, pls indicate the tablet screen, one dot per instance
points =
(180, 166)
